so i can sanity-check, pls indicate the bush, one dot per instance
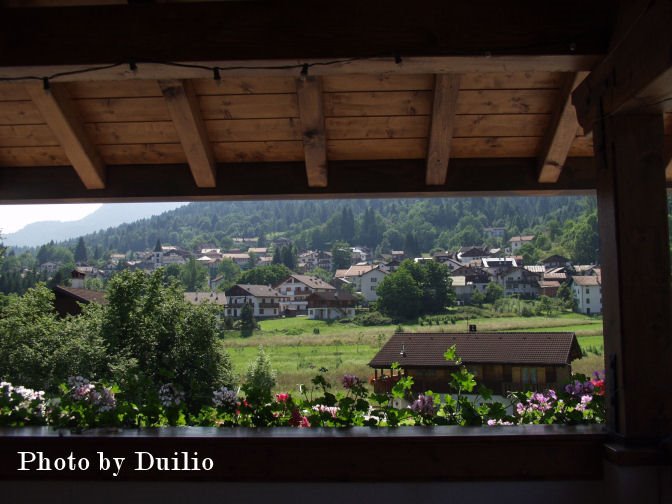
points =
(372, 318)
(260, 379)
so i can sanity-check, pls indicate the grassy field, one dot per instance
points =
(298, 347)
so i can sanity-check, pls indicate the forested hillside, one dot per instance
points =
(417, 226)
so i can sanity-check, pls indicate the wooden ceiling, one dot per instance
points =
(419, 120)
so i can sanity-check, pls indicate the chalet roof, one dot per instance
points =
(427, 349)
(81, 295)
(472, 251)
(236, 256)
(459, 280)
(535, 268)
(555, 276)
(356, 270)
(549, 284)
(491, 262)
(521, 238)
(586, 280)
(256, 290)
(205, 297)
(311, 282)
(583, 268)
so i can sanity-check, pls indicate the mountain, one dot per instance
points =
(109, 215)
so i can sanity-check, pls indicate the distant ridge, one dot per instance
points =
(109, 215)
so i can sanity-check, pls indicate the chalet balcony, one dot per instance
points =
(269, 305)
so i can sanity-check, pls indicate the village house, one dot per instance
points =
(365, 278)
(241, 259)
(518, 241)
(311, 259)
(503, 362)
(68, 300)
(468, 255)
(549, 288)
(265, 300)
(447, 259)
(50, 267)
(556, 261)
(331, 305)
(469, 279)
(587, 290)
(519, 282)
(495, 232)
(217, 298)
(495, 265)
(297, 288)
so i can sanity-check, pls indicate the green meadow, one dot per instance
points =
(299, 347)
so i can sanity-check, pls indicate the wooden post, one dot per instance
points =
(635, 257)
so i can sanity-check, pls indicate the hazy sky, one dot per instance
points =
(14, 217)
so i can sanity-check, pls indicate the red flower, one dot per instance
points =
(282, 398)
(599, 387)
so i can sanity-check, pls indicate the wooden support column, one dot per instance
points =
(561, 132)
(60, 114)
(186, 114)
(313, 131)
(446, 90)
(632, 206)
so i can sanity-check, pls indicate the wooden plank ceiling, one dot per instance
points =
(258, 119)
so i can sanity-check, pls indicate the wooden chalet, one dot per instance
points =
(69, 300)
(503, 362)
(331, 305)
(111, 100)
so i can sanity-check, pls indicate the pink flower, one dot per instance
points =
(282, 398)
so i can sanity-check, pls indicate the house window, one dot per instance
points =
(261, 311)
(528, 375)
(374, 279)
(587, 300)
(587, 290)
(373, 287)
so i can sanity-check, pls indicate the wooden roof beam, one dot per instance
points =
(313, 131)
(60, 114)
(186, 115)
(444, 108)
(561, 132)
(636, 76)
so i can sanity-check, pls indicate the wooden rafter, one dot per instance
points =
(313, 134)
(444, 108)
(186, 115)
(636, 76)
(60, 114)
(561, 132)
